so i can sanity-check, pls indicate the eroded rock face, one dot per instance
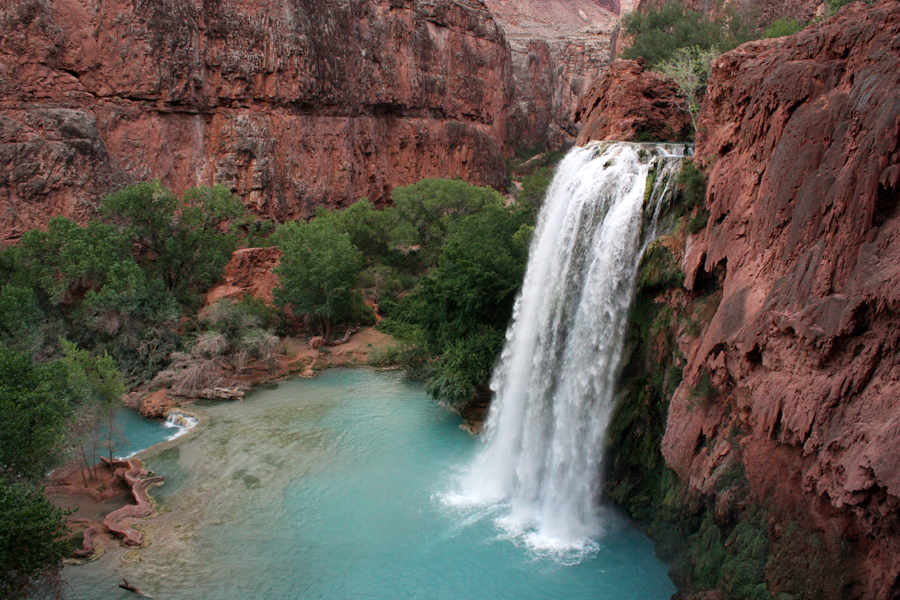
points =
(802, 139)
(294, 104)
(626, 103)
(559, 48)
(249, 273)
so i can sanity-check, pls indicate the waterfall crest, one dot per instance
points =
(554, 383)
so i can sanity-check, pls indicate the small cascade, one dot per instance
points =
(181, 422)
(555, 382)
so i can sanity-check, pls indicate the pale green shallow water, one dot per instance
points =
(331, 488)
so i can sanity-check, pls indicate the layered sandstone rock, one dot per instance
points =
(559, 48)
(801, 137)
(293, 105)
(626, 103)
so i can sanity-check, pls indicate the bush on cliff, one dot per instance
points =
(657, 33)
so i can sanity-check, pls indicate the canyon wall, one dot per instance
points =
(626, 103)
(801, 140)
(559, 49)
(293, 104)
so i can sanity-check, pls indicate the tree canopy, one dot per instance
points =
(318, 271)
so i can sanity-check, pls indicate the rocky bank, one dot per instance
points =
(789, 409)
(292, 104)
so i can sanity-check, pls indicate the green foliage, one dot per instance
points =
(180, 240)
(477, 279)
(836, 5)
(689, 68)
(534, 186)
(68, 260)
(367, 227)
(744, 566)
(783, 27)
(658, 33)
(32, 540)
(92, 378)
(698, 222)
(318, 272)
(427, 213)
(19, 315)
(34, 409)
(464, 366)
(659, 269)
(459, 311)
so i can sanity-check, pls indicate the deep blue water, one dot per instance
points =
(333, 488)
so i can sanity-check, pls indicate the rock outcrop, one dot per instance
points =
(559, 48)
(249, 273)
(292, 104)
(627, 103)
(801, 139)
(139, 480)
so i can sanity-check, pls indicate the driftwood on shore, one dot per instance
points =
(318, 341)
(220, 393)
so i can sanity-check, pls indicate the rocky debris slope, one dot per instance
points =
(627, 103)
(801, 137)
(559, 48)
(292, 104)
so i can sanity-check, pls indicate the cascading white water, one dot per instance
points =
(179, 421)
(554, 384)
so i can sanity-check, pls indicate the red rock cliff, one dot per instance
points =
(802, 139)
(293, 104)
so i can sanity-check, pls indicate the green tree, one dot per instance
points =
(19, 315)
(690, 68)
(318, 272)
(97, 386)
(180, 240)
(34, 410)
(426, 213)
(32, 540)
(368, 228)
(67, 260)
(658, 32)
(464, 305)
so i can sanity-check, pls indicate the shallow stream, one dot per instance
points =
(335, 488)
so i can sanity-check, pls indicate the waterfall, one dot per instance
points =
(181, 422)
(554, 384)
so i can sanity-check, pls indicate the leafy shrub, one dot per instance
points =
(658, 33)
(698, 222)
(659, 269)
(32, 540)
(783, 27)
(691, 187)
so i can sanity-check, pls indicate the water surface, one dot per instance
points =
(334, 488)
